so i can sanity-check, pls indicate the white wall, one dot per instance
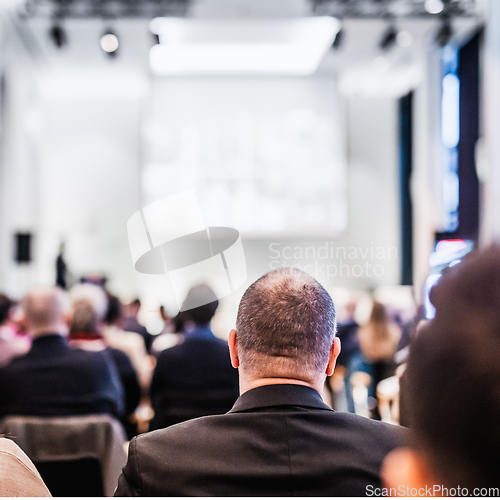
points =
(69, 167)
(490, 128)
(89, 157)
(18, 161)
(426, 181)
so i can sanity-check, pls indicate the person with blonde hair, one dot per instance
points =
(379, 337)
(378, 342)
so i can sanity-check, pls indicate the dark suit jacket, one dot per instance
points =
(278, 440)
(193, 379)
(54, 379)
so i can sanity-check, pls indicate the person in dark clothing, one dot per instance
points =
(85, 334)
(131, 324)
(61, 268)
(347, 332)
(54, 379)
(280, 438)
(194, 378)
(11, 343)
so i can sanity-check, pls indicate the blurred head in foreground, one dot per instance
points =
(454, 384)
(285, 331)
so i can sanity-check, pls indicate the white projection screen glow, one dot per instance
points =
(265, 155)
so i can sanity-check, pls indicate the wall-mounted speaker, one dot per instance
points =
(23, 247)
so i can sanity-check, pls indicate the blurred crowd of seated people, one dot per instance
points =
(374, 349)
(156, 373)
(83, 352)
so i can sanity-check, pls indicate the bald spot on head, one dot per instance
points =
(285, 326)
(44, 310)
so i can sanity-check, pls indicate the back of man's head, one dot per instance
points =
(201, 314)
(94, 295)
(114, 313)
(285, 326)
(454, 376)
(85, 318)
(44, 310)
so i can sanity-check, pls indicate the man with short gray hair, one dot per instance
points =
(280, 438)
(54, 379)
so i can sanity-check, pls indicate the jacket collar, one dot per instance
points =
(50, 341)
(199, 332)
(279, 395)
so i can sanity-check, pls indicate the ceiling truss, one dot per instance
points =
(344, 9)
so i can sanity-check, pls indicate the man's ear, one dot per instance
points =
(68, 317)
(21, 323)
(334, 354)
(233, 349)
(406, 468)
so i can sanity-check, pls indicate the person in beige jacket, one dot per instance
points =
(18, 475)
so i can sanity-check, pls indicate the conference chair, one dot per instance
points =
(76, 456)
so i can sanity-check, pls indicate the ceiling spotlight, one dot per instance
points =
(109, 42)
(58, 36)
(434, 6)
(388, 38)
(444, 34)
(404, 38)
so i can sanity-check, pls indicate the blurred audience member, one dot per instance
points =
(18, 475)
(61, 268)
(347, 332)
(194, 378)
(453, 382)
(131, 343)
(378, 341)
(85, 334)
(131, 323)
(54, 379)
(11, 344)
(172, 334)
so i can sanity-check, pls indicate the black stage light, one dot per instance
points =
(388, 38)
(444, 34)
(58, 35)
(339, 39)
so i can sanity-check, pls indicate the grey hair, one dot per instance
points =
(92, 294)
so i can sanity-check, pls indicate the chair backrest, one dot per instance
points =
(78, 456)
